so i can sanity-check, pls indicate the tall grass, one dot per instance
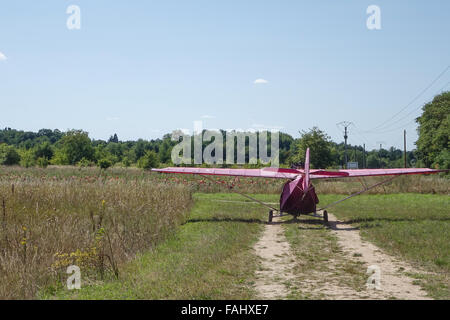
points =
(434, 184)
(48, 223)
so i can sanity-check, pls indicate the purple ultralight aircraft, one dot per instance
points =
(298, 195)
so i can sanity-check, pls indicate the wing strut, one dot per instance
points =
(243, 194)
(358, 193)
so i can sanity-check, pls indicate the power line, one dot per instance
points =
(412, 101)
(415, 109)
(360, 134)
(411, 112)
(406, 125)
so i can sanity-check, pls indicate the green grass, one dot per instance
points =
(415, 227)
(209, 257)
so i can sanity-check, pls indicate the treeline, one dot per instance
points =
(74, 147)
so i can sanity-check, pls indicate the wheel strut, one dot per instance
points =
(270, 215)
(325, 216)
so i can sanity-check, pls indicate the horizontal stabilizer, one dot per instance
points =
(329, 173)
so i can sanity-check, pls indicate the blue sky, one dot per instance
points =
(144, 68)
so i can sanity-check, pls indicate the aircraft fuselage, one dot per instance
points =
(298, 197)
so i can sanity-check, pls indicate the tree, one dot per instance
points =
(149, 160)
(165, 151)
(373, 161)
(43, 150)
(433, 130)
(27, 158)
(320, 148)
(8, 155)
(75, 145)
(114, 138)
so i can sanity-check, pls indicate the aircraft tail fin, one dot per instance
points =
(306, 177)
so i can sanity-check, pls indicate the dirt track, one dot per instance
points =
(275, 273)
(276, 261)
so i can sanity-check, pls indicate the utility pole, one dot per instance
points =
(345, 124)
(364, 156)
(404, 146)
(379, 152)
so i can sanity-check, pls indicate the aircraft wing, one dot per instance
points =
(279, 173)
(324, 174)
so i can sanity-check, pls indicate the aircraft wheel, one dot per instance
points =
(325, 216)
(270, 215)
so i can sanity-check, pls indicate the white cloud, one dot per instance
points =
(260, 81)
(2, 56)
(112, 118)
(208, 117)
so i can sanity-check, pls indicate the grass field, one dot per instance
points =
(49, 224)
(209, 257)
(132, 224)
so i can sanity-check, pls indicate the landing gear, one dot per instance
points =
(270, 215)
(325, 216)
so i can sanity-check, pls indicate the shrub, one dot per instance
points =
(84, 163)
(27, 158)
(42, 162)
(104, 163)
(148, 161)
(8, 155)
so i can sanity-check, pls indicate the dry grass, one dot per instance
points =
(434, 184)
(97, 223)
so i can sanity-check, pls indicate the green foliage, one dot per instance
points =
(44, 150)
(373, 161)
(59, 158)
(8, 155)
(126, 162)
(434, 131)
(320, 148)
(83, 163)
(104, 163)
(443, 159)
(27, 158)
(75, 145)
(42, 162)
(149, 160)
(27, 140)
